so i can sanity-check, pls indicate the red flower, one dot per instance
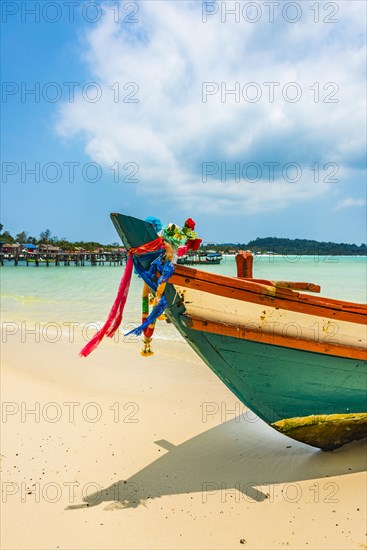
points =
(181, 251)
(190, 223)
(193, 244)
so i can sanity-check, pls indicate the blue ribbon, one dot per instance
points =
(165, 268)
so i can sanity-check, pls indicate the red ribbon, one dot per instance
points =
(152, 246)
(115, 315)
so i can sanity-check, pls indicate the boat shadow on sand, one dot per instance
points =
(236, 455)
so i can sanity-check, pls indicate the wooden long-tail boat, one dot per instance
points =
(296, 360)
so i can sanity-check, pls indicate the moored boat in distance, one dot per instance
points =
(209, 258)
(296, 360)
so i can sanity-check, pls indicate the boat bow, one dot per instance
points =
(298, 361)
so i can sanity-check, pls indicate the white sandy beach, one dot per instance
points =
(130, 452)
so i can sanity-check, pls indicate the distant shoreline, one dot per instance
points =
(265, 245)
(290, 247)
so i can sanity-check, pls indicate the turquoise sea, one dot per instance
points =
(84, 295)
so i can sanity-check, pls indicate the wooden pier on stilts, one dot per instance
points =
(64, 258)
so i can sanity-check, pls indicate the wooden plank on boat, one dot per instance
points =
(296, 285)
(248, 290)
(244, 261)
(271, 338)
(271, 297)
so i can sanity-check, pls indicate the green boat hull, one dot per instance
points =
(312, 397)
(280, 384)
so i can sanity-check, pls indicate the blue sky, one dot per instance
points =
(252, 123)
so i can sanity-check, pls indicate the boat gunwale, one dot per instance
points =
(266, 290)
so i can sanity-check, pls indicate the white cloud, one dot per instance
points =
(171, 131)
(349, 202)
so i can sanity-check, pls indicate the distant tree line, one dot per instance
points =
(291, 247)
(277, 245)
(46, 237)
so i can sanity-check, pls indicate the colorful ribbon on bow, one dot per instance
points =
(115, 315)
(155, 279)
